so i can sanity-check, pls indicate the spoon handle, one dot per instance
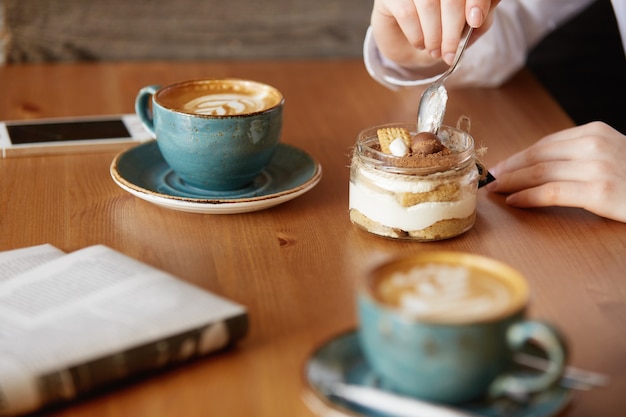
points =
(465, 35)
(392, 404)
(467, 32)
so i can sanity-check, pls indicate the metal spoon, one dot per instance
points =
(392, 404)
(433, 102)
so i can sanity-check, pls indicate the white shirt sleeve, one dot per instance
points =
(494, 58)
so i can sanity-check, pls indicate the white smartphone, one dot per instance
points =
(70, 135)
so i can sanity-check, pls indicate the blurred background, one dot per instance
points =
(109, 30)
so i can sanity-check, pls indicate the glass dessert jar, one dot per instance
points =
(423, 196)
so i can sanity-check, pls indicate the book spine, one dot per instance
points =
(76, 381)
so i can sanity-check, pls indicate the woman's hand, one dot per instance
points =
(420, 33)
(584, 166)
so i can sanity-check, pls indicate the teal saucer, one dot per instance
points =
(143, 172)
(341, 360)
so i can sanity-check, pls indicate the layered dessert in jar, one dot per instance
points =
(410, 185)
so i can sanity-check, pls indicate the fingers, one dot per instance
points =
(591, 142)
(559, 183)
(539, 174)
(453, 19)
(442, 23)
(606, 198)
(563, 194)
(476, 11)
(550, 149)
(430, 13)
(398, 32)
(577, 167)
(431, 25)
(407, 18)
(553, 160)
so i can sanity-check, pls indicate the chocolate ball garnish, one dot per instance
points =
(426, 143)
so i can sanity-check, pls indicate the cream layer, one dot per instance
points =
(382, 207)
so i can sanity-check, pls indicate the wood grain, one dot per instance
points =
(296, 266)
(76, 30)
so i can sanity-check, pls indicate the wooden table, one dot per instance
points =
(295, 266)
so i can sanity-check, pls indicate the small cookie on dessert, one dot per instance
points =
(387, 135)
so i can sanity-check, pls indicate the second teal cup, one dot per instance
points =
(216, 134)
(445, 326)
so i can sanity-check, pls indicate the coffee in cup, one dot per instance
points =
(216, 134)
(444, 326)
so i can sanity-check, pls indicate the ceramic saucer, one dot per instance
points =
(143, 172)
(341, 360)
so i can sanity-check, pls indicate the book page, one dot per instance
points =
(98, 311)
(14, 262)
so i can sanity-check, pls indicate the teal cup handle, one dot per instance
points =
(142, 107)
(547, 339)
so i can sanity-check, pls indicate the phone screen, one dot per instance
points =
(67, 131)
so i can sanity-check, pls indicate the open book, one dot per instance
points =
(72, 323)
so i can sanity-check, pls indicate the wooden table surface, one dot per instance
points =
(295, 266)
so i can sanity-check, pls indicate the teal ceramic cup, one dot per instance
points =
(444, 327)
(216, 134)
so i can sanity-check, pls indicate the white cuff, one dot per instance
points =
(387, 72)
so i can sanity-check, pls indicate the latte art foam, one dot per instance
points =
(219, 97)
(227, 104)
(445, 292)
